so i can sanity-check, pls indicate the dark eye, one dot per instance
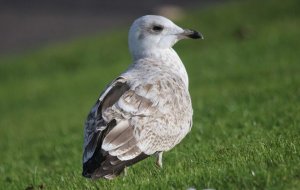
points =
(157, 28)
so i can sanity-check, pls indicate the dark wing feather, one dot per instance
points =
(96, 161)
(112, 166)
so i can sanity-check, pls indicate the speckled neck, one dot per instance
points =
(169, 57)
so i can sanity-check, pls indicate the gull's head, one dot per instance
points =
(153, 32)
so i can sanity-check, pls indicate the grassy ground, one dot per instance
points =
(245, 85)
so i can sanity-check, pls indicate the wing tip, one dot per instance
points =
(109, 168)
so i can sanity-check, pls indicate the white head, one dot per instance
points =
(154, 33)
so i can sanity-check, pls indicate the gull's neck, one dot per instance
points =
(168, 57)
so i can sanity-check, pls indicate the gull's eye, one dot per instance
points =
(157, 28)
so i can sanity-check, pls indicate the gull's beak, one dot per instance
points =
(188, 33)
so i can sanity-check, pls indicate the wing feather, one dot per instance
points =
(124, 148)
(118, 136)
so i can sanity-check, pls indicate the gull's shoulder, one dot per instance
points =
(148, 68)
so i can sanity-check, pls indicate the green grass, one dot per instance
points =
(245, 86)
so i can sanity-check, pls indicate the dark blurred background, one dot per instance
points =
(30, 24)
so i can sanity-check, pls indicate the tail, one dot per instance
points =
(103, 165)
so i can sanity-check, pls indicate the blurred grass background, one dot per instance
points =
(245, 86)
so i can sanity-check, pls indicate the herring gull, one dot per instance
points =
(145, 111)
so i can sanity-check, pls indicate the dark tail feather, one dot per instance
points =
(107, 167)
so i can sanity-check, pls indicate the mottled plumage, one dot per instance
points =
(146, 110)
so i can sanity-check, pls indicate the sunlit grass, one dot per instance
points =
(245, 86)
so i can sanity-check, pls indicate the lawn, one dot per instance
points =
(245, 86)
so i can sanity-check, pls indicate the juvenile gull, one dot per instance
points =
(145, 111)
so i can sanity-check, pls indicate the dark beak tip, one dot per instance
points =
(196, 35)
